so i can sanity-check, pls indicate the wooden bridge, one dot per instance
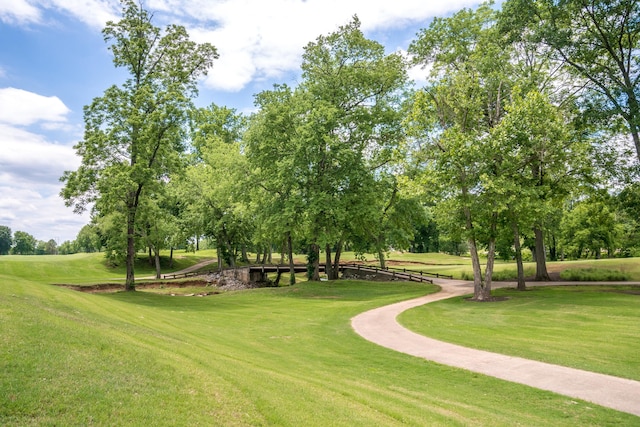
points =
(259, 273)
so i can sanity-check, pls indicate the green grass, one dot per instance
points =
(278, 356)
(585, 327)
(460, 267)
(85, 268)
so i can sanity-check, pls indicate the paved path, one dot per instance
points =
(380, 326)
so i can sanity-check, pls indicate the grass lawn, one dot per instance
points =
(586, 327)
(276, 356)
(460, 267)
(86, 268)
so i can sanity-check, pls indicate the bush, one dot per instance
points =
(593, 275)
(502, 275)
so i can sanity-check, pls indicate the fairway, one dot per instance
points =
(284, 356)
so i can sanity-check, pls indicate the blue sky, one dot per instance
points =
(53, 61)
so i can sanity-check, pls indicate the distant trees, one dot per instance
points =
(23, 243)
(6, 240)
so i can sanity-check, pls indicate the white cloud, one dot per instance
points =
(94, 13)
(30, 168)
(18, 11)
(261, 40)
(45, 217)
(20, 107)
(256, 39)
(29, 158)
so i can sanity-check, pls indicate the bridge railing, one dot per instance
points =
(190, 274)
(399, 270)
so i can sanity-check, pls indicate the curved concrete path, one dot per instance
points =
(380, 326)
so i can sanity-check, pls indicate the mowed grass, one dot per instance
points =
(85, 268)
(277, 356)
(460, 267)
(595, 328)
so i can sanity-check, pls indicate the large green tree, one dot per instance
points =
(454, 116)
(215, 182)
(271, 140)
(349, 131)
(134, 132)
(599, 40)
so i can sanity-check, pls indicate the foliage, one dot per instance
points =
(454, 116)
(23, 243)
(588, 228)
(88, 240)
(598, 41)
(322, 150)
(593, 275)
(6, 240)
(134, 132)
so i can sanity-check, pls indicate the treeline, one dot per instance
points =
(524, 139)
(23, 243)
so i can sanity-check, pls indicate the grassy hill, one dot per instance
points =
(277, 356)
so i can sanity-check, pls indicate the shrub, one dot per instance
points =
(593, 275)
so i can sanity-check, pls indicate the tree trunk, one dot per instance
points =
(157, 261)
(151, 260)
(540, 256)
(488, 274)
(516, 244)
(265, 255)
(131, 250)
(336, 263)
(245, 258)
(553, 250)
(171, 258)
(328, 270)
(283, 249)
(197, 243)
(316, 262)
(478, 285)
(382, 259)
(219, 255)
(270, 253)
(292, 272)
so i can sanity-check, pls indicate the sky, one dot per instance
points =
(54, 61)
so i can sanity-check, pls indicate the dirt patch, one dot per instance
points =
(215, 283)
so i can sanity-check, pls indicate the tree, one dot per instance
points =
(599, 40)
(51, 247)
(589, 227)
(215, 186)
(453, 116)
(541, 161)
(134, 132)
(6, 241)
(628, 206)
(270, 142)
(348, 131)
(24, 243)
(88, 239)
